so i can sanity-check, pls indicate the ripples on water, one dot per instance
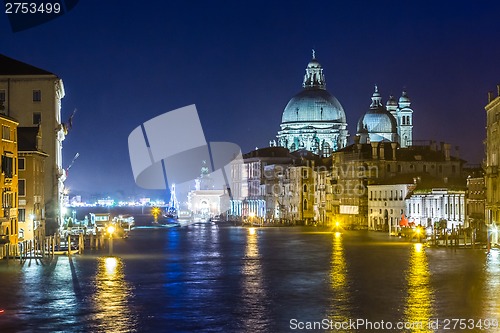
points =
(209, 279)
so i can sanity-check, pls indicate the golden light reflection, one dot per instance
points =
(491, 303)
(253, 290)
(418, 311)
(418, 247)
(111, 298)
(111, 263)
(340, 306)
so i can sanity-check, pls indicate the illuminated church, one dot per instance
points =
(314, 120)
(390, 123)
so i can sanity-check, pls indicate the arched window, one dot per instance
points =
(305, 204)
(305, 188)
(326, 149)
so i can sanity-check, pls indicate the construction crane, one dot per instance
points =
(72, 162)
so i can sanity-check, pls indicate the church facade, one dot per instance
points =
(390, 123)
(313, 119)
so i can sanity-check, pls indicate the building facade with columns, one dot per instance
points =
(427, 207)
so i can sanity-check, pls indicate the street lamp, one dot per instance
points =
(110, 230)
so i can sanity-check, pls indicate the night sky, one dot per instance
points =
(241, 62)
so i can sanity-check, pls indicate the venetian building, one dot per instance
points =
(313, 119)
(377, 124)
(207, 199)
(31, 212)
(9, 227)
(33, 97)
(492, 143)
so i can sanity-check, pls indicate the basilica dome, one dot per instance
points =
(313, 105)
(313, 119)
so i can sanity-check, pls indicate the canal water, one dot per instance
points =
(205, 278)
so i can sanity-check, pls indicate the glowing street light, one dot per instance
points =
(418, 231)
(251, 216)
(156, 212)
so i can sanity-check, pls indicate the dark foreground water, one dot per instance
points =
(230, 279)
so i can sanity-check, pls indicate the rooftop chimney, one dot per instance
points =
(394, 146)
(447, 148)
(433, 145)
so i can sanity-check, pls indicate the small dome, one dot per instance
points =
(377, 121)
(391, 101)
(404, 98)
(313, 64)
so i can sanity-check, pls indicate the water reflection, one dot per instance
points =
(340, 306)
(111, 299)
(253, 289)
(418, 311)
(491, 304)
